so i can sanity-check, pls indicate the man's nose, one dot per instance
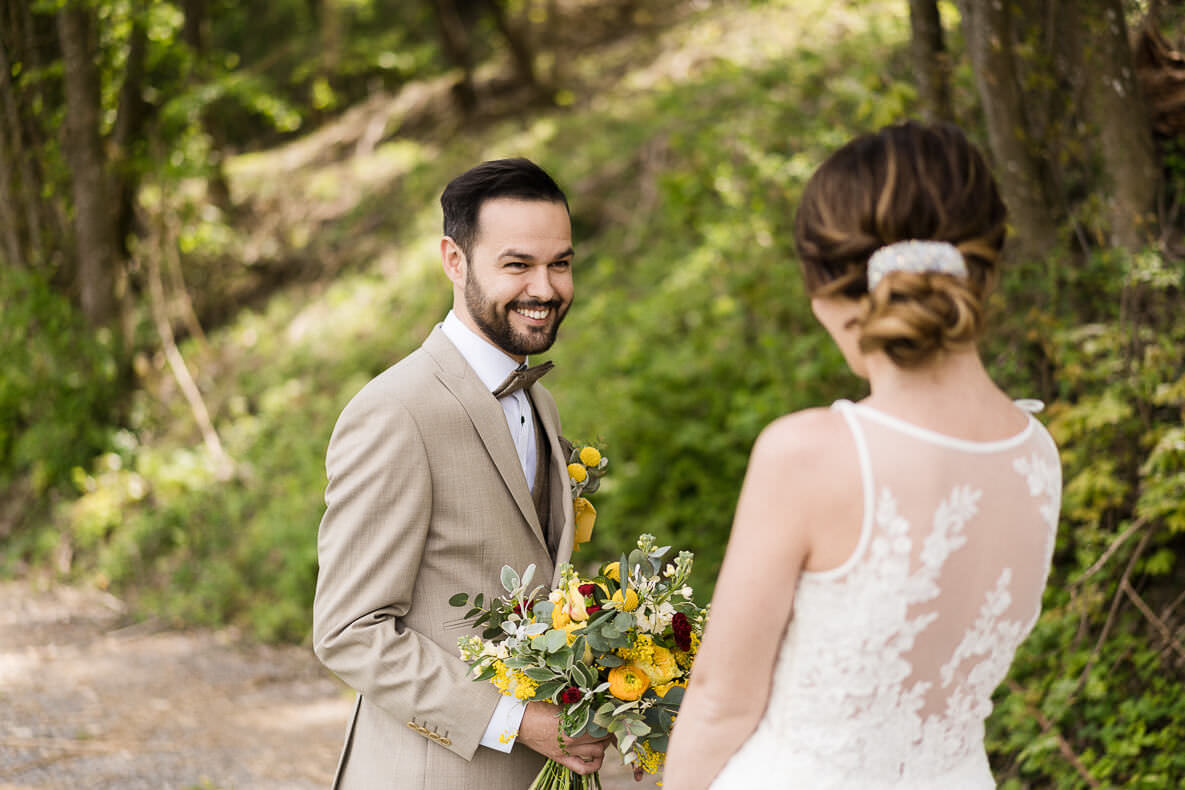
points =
(539, 285)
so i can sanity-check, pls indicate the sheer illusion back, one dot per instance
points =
(887, 667)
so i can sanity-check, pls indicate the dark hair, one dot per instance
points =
(499, 178)
(909, 181)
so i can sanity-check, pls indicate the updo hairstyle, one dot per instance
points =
(907, 182)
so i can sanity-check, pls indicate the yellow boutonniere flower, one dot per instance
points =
(590, 456)
(577, 472)
(586, 517)
(627, 682)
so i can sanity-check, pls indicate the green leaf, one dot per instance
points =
(539, 674)
(510, 580)
(554, 640)
(550, 689)
(460, 599)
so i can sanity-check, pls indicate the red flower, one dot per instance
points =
(592, 609)
(587, 589)
(570, 695)
(681, 627)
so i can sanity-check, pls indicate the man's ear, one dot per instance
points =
(453, 260)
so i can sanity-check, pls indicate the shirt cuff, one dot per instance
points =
(502, 730)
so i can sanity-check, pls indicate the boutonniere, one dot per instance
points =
(586, 466)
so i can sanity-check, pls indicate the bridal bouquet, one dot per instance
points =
(612, 651)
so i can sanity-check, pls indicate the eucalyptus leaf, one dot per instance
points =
(674, 696)
(623, 622)
(610, 660)
(554, 640)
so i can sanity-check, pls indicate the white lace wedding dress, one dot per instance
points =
(886, 672)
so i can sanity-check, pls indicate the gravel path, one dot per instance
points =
(87, 704)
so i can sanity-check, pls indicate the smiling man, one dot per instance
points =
(441, 470)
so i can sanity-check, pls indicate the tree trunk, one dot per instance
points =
(454, 40)
(130, 121)
(931, 62)
(94, 219)
(1115, 106)
(1022, 176)
(521, 51)
(9, 224)
(25, 190)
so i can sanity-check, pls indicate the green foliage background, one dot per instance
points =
(683, 147)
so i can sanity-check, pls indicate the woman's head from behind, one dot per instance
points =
(910, 182)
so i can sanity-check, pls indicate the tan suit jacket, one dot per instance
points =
(426, 498)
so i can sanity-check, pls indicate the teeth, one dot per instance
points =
(536, 314)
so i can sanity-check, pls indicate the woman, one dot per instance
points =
(887, 557)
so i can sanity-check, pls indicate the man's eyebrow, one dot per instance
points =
(526, 256)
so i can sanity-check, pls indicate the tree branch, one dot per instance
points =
(1046, 727)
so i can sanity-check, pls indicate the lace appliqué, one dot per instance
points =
(860, 674)
(1044, 479)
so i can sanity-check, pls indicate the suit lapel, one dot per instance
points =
(489, 420)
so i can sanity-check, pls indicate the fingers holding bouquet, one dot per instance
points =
(540, 730)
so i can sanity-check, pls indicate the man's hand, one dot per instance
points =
(540, 731)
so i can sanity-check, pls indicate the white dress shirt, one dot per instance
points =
(492, 365)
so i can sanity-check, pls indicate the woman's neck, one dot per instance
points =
(952, 394)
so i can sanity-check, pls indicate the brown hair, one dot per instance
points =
(909, 181)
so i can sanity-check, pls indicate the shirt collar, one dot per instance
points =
(491, 364)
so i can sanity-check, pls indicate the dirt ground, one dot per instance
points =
(88, 703)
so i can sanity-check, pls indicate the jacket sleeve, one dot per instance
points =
(369, 547)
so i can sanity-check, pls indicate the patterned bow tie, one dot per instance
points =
(521, 378)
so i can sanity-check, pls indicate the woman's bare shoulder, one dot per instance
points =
(806, 432)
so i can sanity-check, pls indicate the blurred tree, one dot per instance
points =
(931, 61)
(96, 257)
(1059, 91)
(989, 28)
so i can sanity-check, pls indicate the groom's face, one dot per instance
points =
(518, 279)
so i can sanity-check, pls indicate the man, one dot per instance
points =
(435, 483)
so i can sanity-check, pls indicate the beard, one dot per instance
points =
(494, 321)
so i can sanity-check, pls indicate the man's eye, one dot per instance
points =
(561, 264)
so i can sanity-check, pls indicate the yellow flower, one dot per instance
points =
(629, 603)
(570, 629)
(577, 472)
(661, 668)
(586, 516)
(613, 571)
(574, 602)
(590, 456)
(559, 616)
(628, 682)
(524, 687)
(650, 760)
